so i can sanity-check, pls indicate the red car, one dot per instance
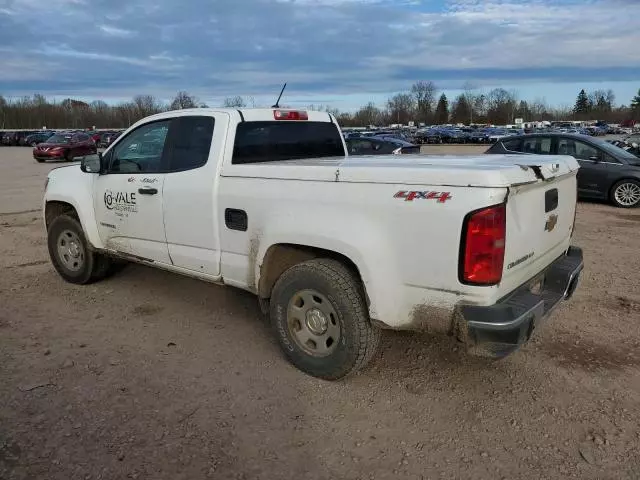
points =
(65, 146)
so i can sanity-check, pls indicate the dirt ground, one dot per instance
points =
(151, 375)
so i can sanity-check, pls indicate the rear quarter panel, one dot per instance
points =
(406, 251)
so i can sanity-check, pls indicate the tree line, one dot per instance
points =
(422, 103)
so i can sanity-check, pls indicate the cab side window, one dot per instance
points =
(191, 142)
(141, 151)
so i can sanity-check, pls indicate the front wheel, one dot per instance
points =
(320, 319)
(626, 194)
(71, 254)
(68, 156)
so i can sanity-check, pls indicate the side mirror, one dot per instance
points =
(91, 163)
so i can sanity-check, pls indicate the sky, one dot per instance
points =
(339, 53)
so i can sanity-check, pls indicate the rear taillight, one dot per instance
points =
(290, 115)
(483, 240)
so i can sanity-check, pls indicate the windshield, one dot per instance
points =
(58, 139)
(615, 151)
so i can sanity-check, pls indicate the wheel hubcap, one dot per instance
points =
(316, 321)
(313, 323)
(70, 250)
(628, 194)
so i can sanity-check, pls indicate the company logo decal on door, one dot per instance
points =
(120, 202)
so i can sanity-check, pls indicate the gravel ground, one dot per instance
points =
(151, 375)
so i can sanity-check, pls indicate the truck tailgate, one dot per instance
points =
(540, 220)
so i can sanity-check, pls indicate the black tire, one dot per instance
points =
(631, 199)
(68, 156)
(39, 160)
(34, 144)
(358, 339)
(91, 266)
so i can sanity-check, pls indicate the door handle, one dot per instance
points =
(147, 191)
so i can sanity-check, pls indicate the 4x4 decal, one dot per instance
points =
(441, 197)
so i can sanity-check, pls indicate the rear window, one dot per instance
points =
(513, 145)
(287, 140)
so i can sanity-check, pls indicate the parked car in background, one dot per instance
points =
(107, 138)
(36, 138)
(453, 135)
(606, 172)
(498, 134)
(430, 135)
(10, 139)
(63, 146)
(480, 135)
(22, 138)
(95, 135)
(392, 134)
(380, 146)
(633, 138)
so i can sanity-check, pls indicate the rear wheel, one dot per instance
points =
(626, 194)
(68, 156)
(320, 319)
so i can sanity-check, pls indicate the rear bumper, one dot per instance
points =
(499, 329)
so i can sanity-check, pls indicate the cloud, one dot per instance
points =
(116, 32)
(320, 47)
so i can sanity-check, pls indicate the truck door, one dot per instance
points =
(128, 197)
(190, 214)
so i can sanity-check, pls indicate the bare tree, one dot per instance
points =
(234, 102)
(539, 109)
(368, 115)
(470, 97)
(401, 108)
(183, 100)
(425, 99)
(146, 105)
(502, 106)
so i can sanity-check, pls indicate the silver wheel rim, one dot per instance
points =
(313, 323)
(70, 250)
(628, 194)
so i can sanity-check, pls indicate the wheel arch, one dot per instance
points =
(281, 256)
(55, 208)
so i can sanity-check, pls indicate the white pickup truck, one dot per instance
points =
(335, 247)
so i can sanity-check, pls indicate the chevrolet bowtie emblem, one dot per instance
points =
(551, 223)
